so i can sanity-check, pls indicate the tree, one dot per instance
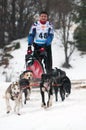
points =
(69, 46)
(66, 10)
(3, 22)
(80, 32)
(16, 16)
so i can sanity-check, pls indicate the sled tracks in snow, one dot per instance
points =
(81, 83)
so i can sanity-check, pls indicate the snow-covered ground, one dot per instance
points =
(67, 115)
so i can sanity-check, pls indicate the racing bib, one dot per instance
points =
(41, 33)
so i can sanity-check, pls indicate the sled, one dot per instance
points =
(36, 65)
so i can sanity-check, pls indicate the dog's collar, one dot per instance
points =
(25, 86)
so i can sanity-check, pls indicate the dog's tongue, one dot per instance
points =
(16, 94)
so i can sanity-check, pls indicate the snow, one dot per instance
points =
(67, 115)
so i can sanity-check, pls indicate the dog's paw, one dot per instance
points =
(63, 98)
(18, 114)
(25, 101)
(67, 94)
(8, 112)
(49, 104)
(43, 105)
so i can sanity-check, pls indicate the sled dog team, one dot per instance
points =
(16, 89)
(53, 82)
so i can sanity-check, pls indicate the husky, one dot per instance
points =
(14, 93)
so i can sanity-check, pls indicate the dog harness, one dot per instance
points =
(25, 87)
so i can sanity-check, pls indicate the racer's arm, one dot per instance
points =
(31, 35)
(50, 36)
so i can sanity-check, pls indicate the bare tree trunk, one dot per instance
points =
(66, 29)
(13, 20)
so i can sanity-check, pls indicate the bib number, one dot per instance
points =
(43, 35)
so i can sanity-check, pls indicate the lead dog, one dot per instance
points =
(46, 86)
(14, 93)
(25, 83)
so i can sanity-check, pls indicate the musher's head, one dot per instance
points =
(43, 17)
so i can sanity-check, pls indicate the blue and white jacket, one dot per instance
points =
(41, 34)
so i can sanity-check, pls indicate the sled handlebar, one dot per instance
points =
(40, 50)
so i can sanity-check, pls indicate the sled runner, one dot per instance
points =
(36, 64)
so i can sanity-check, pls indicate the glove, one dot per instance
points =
(42, 49)
(29, 51)
(43, 52)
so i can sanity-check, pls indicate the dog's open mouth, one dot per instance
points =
(16, 94)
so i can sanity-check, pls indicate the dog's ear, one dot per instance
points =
(16, 83)
(55, 72)
(12, 85)
(21, 75)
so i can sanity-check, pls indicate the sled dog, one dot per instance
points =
(14, 93)
(25, 83)
(46, 86)
(61, 83)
